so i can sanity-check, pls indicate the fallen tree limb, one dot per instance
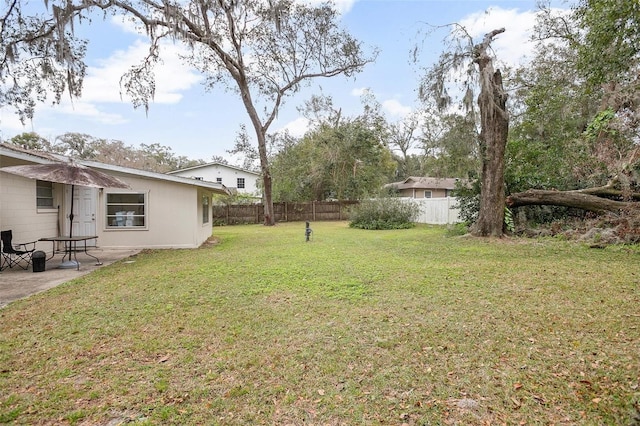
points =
(576, 199)
(605, 191)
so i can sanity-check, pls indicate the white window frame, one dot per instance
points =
(47, 186)
(430, 194)
(238, 183)
(125, 207)
(206, 210)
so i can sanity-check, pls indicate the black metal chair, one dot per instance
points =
(14, 254)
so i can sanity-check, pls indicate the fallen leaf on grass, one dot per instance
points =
(516, 402)
(540, 399)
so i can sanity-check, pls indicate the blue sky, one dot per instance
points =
(199, 124)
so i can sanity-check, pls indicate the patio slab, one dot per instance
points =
(17, 283)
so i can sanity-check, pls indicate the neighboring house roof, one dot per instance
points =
(216, 187)
(203, 166)
(44, 158)
(417, 182)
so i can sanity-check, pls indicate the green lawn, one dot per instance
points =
(355, 327)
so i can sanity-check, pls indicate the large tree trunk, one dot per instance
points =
(261, 135)
(580, 199)
(494, 122)
(269, 217)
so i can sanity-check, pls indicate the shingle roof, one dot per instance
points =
(418, 182)
(44, 157)
(204, 166)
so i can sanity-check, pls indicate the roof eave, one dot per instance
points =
(213, 186)
(200, 166)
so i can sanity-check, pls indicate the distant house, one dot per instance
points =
(424, 187)
(234, 178)
(159, 211)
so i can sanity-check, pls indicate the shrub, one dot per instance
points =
(457, 229)
(384, 213)
(468, 196)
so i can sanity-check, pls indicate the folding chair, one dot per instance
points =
(13, 254)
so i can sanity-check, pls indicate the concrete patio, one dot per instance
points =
(17, 283)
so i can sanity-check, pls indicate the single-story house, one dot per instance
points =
(424, 187)
(236, 179)
(159, 211)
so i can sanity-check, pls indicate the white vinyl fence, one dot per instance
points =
(437, 211)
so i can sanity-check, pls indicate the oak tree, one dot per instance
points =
(39, 56)
(462, 58)
(262, 50)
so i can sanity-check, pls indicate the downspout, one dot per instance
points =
(58, 222)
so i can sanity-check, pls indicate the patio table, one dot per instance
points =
(71, 246)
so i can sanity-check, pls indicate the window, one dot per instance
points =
(205, 209)
(126, 210)
(240, 183)
(44, 194)
(427, 194)
(218, 180)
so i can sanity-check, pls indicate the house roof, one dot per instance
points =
(419, 182)
(215, 187)
(17, 152)
(203, 166)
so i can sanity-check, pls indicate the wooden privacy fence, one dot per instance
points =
(284, 212)
(438, 211)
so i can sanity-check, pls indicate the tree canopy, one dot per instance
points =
(345, 161)
(153, 157)
(579, 98)
(575, 144)
(39, 56)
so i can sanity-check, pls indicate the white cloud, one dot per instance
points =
(395, 109)
(297, 128)
(102, 83)
(10, 124)
(47, 113)
(89, 111)
(392, 107)
(342, 6)
(359, 91)
(514, 44)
